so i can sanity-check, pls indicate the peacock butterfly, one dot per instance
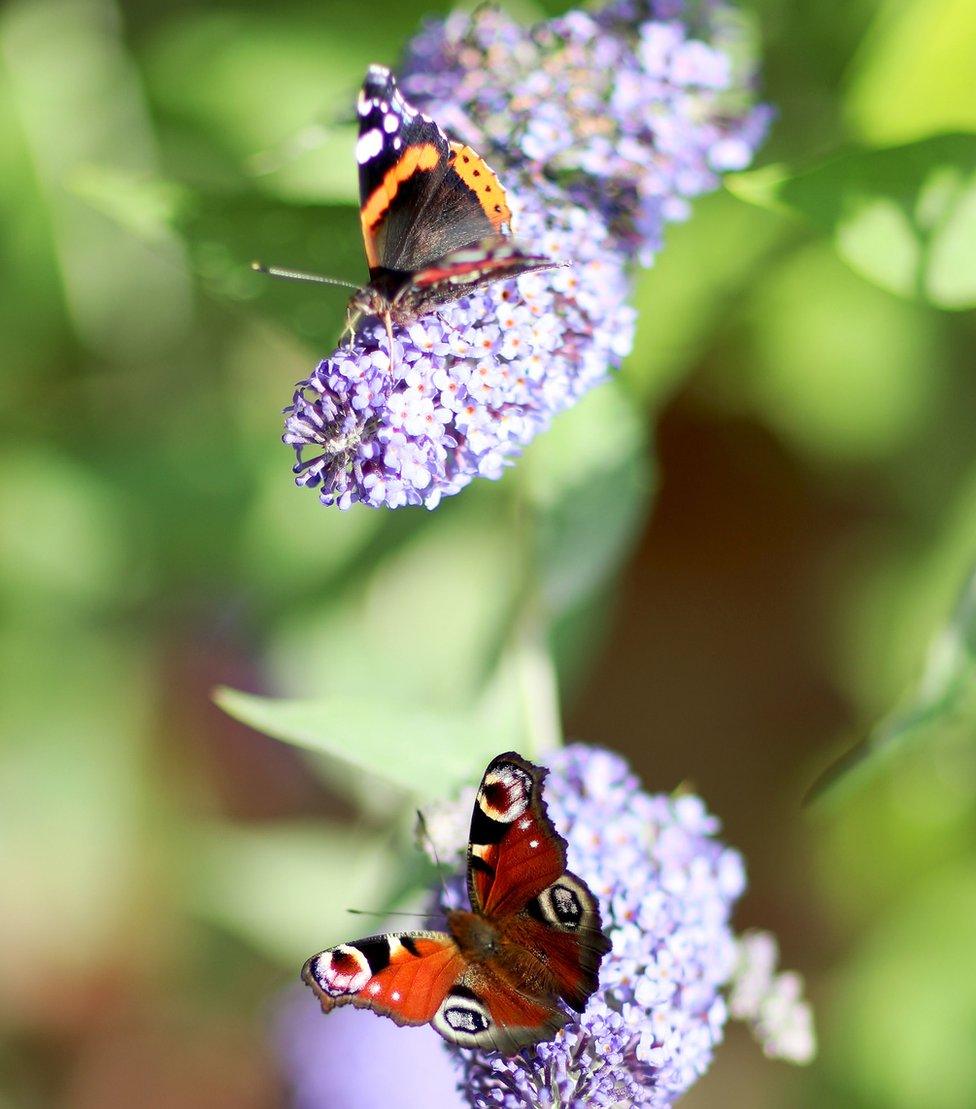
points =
(494, 979)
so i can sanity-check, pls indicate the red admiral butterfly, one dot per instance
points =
(436, 224)
(493, 980)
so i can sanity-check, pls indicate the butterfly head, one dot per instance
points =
(378, 297)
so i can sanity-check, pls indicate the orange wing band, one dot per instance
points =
(478, 176)
(414, 158)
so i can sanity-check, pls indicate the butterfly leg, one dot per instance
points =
(348, 336)
(442, 319)
(388, 320)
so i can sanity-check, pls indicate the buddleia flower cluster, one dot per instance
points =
(667, 887)
(602, 127)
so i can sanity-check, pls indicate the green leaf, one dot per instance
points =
(429, 612)
(944, 699)
(844, 371)
(424, 754)
(903, 217)
(914, 74)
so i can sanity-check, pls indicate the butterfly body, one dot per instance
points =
(436, 225)
(496, 977)
(480, 940)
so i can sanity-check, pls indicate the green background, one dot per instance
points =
(741, 557)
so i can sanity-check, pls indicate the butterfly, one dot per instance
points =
(436, 224)
(495, 978)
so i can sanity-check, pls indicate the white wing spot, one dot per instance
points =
(397, 143)
(525, 824)
(374, 988)
(390, 123)
(395, 995)
(533, 843)
(369, 145)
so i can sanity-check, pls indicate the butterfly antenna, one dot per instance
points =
(300, 275)
(389, 912)
(425, 835)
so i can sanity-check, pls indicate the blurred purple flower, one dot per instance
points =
(771, 1004)
(354, 1061)
(602, 127)
(667, 887)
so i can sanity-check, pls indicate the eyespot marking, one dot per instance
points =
(564, 904)
(462, 1018)
(342, 970)
(504, 794)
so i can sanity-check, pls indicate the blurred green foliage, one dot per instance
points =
(152, 546)
(903, 217)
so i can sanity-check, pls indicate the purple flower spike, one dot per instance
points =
(666, 888)
(602, 127)
(473, 384)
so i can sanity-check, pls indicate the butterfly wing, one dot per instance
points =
(421, 197)
(562, 929)
(487, 1009)
(514, 852)
(463, 271)
(517, 876)
(421, 978)
(402, 975)
(467, 205)
(546, 917)
(402, 156)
